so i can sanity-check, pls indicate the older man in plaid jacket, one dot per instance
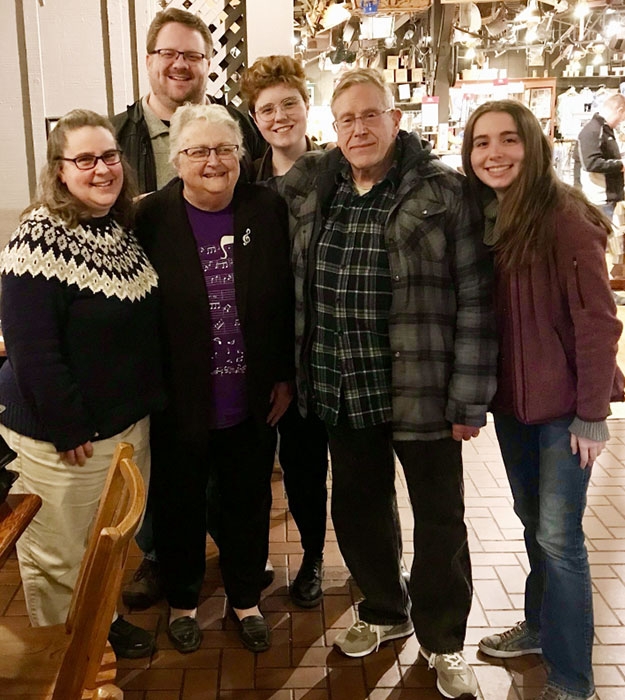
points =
(396, 353)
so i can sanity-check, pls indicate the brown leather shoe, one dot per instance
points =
(145, 589)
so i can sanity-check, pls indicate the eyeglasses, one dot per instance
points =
(289, 106)
(87, 161)
(197, 154)
(348, 122)
(172, 55)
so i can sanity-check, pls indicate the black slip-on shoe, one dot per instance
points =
(129, 641)
(185, 634)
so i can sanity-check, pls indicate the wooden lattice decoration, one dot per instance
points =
(226, 21)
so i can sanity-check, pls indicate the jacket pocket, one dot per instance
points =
(422, 230)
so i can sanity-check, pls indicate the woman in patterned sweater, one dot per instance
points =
(80, 326)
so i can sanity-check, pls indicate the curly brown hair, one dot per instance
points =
(268, 71)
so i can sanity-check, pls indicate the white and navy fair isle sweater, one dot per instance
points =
(79, 319)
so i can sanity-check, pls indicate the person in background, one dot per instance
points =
(275, 89)
(226, 290)
(79, 318)
(396, 353)
(557, 373)
(601, 174)
(179, 48)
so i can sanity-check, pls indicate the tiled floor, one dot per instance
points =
(302, 665)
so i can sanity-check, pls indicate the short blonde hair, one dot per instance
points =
(364, 76)
(215, 115)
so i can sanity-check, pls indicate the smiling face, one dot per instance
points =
(174, 82)
(497, 152)
(369, 147)
(97, 189)
(286, 128)
(208, 184)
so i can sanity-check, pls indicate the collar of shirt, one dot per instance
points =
(155, 125)
(393, 175)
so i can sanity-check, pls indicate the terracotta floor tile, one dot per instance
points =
(237, 669)
(302, 664)
(200, 685)
(290, 677)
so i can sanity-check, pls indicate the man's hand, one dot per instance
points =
(464, 432)
(280, 398)
(79, 455)
(588, 450)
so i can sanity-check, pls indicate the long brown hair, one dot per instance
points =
(54, 194)
(526, 210)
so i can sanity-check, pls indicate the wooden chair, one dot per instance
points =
(74, 661)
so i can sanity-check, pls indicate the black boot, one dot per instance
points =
(306, 589)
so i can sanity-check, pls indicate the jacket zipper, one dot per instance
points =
(577, 283)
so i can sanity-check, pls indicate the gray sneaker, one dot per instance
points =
(362, 638)
(454, 676)
(550, 692)
(517, 641)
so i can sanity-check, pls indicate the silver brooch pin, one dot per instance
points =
(246, 236)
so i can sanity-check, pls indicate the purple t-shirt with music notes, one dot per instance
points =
(213, 233)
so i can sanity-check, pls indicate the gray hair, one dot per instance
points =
(364, 76)
(214, 115)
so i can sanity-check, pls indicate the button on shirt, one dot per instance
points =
(352, 294)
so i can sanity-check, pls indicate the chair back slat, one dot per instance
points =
(97, 590)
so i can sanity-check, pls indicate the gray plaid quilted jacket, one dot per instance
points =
(441, 325)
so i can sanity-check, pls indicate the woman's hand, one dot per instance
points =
(79, 455)
(280, 398)
(588, 450)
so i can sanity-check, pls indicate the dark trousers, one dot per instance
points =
(240, 459)
(303, 454)
(366, 521)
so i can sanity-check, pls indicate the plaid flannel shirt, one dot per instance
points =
(352, 294)
(441, 321)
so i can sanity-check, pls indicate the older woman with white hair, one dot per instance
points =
(221, 251)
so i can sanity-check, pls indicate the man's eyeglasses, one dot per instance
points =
(289, 106)
(197, 154)
(87, 161)
(172, 55)
(348, 122)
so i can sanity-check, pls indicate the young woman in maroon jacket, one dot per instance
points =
(557, 374)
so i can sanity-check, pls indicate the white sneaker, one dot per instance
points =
(362, 638)
(454, 676)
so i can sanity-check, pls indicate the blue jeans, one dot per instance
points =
(549, 491)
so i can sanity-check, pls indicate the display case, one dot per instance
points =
(539, 94)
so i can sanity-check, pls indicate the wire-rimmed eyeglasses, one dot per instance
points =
(348, 122)
(172, 55)
(197, 154)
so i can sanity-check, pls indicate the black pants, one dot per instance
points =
(303, 455)
(240, 461)
(366, 521)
